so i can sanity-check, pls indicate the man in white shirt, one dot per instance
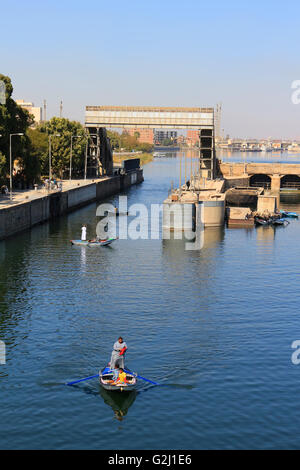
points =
(117, 356)
(83, 233)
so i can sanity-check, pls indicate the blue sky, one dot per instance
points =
(167, 53)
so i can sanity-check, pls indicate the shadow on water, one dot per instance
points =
(177, 243)
(120, 402)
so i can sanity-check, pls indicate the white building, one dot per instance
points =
(34, 110)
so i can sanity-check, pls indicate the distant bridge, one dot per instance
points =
(150, 117)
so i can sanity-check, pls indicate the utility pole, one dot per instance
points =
(45, 109)
(61, 109)
(218, 120)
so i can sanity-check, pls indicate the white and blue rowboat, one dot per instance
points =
(293, 215)
(107, 376)
(90, 243)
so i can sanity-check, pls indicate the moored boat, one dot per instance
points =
(260, 221)
(280, 222)
(293, 215)
(108, 381)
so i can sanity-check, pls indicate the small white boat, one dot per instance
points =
(106, 378)
(158, 154)
(108, 241)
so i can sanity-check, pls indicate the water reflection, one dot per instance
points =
(208, 238)
(120, 402)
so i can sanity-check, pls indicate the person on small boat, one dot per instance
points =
(83, 233)
(98, 239)
(117, 356)
(122, 377)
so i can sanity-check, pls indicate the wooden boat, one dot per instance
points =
(280, 222)
(260, 221)
(108, 241)
(106, 378)
(293, 215)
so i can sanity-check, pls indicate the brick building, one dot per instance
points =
(192, 137)
(145, 135)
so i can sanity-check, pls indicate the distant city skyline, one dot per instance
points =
(243, 54)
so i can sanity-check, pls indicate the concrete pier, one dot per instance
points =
(203, 203)
(29, 208)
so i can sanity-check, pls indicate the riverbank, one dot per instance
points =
(144, 157)
(29, 208)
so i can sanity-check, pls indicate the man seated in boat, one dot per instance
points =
(97, 240)
(121, 378)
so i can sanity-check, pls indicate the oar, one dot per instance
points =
(94, 376)
(140, 377)
(82, 380)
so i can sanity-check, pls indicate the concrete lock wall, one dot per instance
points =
(14, 219)
(39, 210)
(20, 217)
(179, 216)
(233, 182)
(81, 194)
(266, 204)
(212, 213)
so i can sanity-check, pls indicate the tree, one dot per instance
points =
(166, 142)
(115, 139)
(61, 146)
(13, 119)
(145, 147)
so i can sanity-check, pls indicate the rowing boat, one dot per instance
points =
(260, 221)
(92, 243)
(293, 215)
(107, 380)
(280, 222)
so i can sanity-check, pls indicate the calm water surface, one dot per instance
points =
(214, 326)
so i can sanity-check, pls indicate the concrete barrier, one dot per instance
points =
(22, 216)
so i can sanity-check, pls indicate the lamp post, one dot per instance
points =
(10, 163)
(50, 173)
(73, 137)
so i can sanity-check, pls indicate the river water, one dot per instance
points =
(214, 327)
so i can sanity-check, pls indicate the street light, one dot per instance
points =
(50, 175)
(10, 163)
(73, 137)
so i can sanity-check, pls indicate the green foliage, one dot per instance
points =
(167, 142)
(144, 147)
(13, 119)
(61, 146)
(115, 139)
(2, 166)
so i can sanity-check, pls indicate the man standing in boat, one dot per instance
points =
(83, 233)
(117, 356)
